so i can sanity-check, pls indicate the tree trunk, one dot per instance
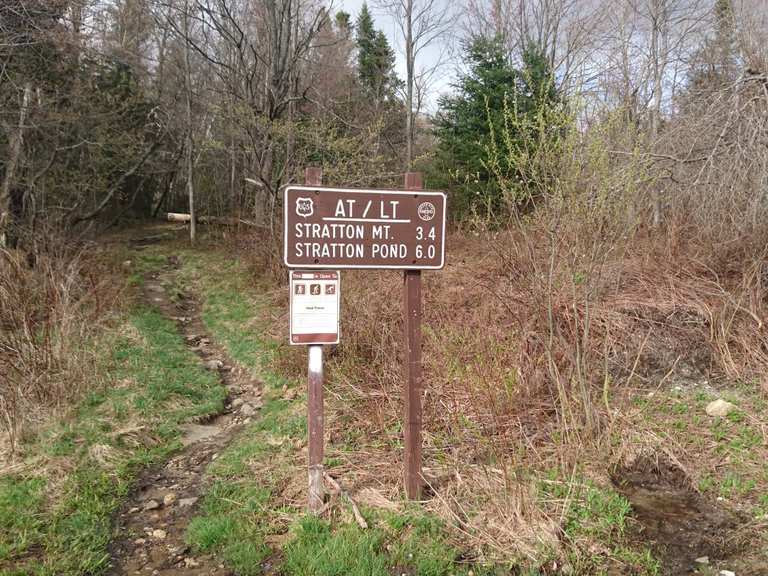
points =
(409, 57)
(14, 155)
(189, 143)
(658, 53)
(230, 205)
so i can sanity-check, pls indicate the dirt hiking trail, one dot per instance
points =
(152, 523)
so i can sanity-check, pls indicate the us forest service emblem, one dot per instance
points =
(426, 211)
(305, 207)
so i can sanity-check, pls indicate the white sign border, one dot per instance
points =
(360, 191)
(290, 308)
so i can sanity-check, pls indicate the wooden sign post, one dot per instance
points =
(314, 177)
(412, 326)
(344, 228)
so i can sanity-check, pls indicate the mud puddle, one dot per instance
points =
(152, 525)
(690, 533)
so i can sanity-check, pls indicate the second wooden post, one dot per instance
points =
(412, 326)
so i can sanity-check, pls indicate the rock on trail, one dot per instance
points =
(720, 408)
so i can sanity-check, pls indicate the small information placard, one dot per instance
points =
(315, 307)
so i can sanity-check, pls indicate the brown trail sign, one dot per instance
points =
(353, 229)
(347, 228)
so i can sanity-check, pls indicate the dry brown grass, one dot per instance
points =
(533, 352)
(538, 341)
(51, 302)
(540, 338)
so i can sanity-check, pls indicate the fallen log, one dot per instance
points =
(223, 220)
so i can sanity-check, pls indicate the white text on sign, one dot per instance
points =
(331, 227)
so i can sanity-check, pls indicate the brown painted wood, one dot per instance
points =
(358, 228)
(413, 381)
(313, 177)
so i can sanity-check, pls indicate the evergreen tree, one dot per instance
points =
(343, 23)
(725, 36)
(375, 59)
(716, 62)
(465, 120)
(537, 80)
(490, 106)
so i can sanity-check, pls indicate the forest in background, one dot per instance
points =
(125, 109)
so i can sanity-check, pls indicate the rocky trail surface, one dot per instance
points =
(153, 522)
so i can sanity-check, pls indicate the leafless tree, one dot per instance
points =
(189, 143)
(421, 23)
(14, 153)
(657, 38)
(257, 53)
(567, 31)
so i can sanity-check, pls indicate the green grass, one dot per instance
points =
(228, 525)
(420, 544)
(243, 510)
(317, 549)
(144, 263)
(393, 544)
(727, 453)
(169, 373)
(21, 520)
(237, 512)
(734, 443)
(600, 515)
(736, 485)
(594, 511)
(152, 380)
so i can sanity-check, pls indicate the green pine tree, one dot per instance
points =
(716, 62)
(465, 120)
(343, 23)
(725, 36)
(494, 103)
(375, 59)
(537, 80)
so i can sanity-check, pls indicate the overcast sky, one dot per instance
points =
(384, 22)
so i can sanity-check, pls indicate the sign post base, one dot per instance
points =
(315, 428)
